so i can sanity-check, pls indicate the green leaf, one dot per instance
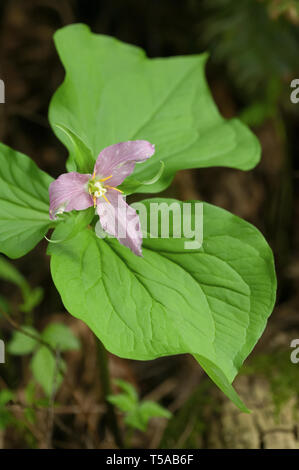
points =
(115, 93)
(6, 416)
(222, 381)
(81, 155)
(128, 388)
(10, 274)
(4, 305)
(24, 203)
(150, 409)
(46, 370)
(6, 395)
(140, 416)
(134, 420)
(122, 401)
(137, 414)
(31, 297)
(212, 302)
(21, 344)
(70, 223)
(60, 337)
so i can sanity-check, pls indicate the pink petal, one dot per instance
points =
(120, 220)
(68, 193)
(119, 160)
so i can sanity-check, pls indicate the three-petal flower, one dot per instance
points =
(76, 191)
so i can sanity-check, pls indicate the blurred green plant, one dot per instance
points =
(24, 423)
(46, 364)
(4, 305)
(6, 416)
(290, 8)
(186, 428)
(137, 413)
(260, 110)
(31, 297)
(30, 398)
(254, 48)
(282, 374)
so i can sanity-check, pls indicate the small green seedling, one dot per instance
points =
(137, 413)
(47, 367)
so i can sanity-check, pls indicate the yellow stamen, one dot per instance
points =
(115, 189)
(94, 201)
(107, 178)
(94, 175)
(106, 199)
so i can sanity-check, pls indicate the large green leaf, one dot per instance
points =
(212, 302)
(115, 93)
(24, 203)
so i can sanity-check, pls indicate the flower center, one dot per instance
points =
(100, 190)
(96, 188)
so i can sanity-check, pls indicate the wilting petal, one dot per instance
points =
(69, 192)
(120, 220)
(119, 160)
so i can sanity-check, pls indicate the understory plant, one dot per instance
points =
(137, 413)
(129, 124)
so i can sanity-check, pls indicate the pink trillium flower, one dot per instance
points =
(76, 191)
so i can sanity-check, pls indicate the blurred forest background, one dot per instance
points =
(254, 55)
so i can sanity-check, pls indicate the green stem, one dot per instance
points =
(106, 387)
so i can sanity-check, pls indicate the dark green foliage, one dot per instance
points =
(254, 47)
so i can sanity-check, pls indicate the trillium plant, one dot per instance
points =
(129, 124)
(75, 191)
